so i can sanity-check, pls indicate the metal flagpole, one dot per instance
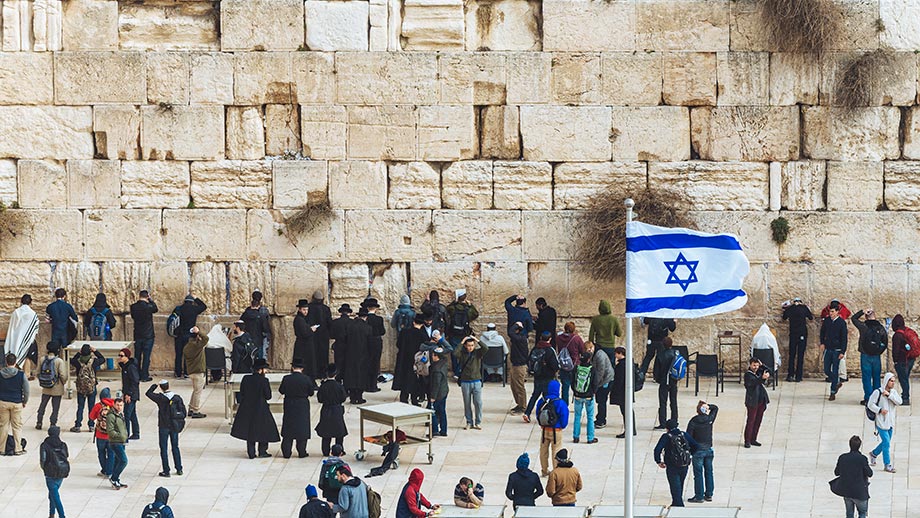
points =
(628, 489)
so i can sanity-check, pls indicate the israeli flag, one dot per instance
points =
(681, 273)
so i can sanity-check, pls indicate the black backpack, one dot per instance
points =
(404, 320)
(877, 339)
(47, 373)
(535, 361)
(677, 451)
(177, 412)
(99, 325)
(547, 415)
(459, 320)
(152, 511)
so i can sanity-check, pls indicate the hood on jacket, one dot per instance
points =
(105, 393)
(543, 344)
(888, 376)
(54, 435)
(353, 482)
(416, 478)
(603, 308)
(897, 322)
(9, 372)
(162, 495)
(100, 301)
(554, 389)
(404, 300)
(563, 339)
(523, 461)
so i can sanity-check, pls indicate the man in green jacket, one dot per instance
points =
(117, 429)
(604, 330)
(469, 356)
(197, 369)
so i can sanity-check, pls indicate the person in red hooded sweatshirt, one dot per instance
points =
(97, 414)
(411, 500)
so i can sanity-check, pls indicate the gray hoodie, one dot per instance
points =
(352, 500)
(9, 372)
(878, 402)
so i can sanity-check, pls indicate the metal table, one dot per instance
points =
(551, 512)
(232, 388)
(107, 349)
(618, 511)
(395, 415)
(485, 511)
(703, 512)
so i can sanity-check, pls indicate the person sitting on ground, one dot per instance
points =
(411, 499)
(315, 508)
(467, 494)
(524, 485)
(158, 507)
(564, 481)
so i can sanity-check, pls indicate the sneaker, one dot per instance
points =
(526, 418)
(890, 469)
(832, 398)
(575, 440)
(696, 500)
(660, 427)
(467, 426)
(115, 484)
(38, 426)
(872, 458)
(477, 427)
(755, 443)
(75, 429)
(593, 441)
(265, 455)
(134, 437)
(20, 452)
(600, 425)
(516, 411)
(863, 402)
(789, 379)
(199, 415)
(164, 474)
(92, 428)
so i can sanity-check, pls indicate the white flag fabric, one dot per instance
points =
(682, 273)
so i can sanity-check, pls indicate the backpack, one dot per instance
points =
(100, 420)
(328, 479)
(177, 412)
(913, 342)
(459, 321)
(548, 415)
(153, 512)
(10, 446)
(86, 379)
(678, 451)
(678, 369)
(403, 320)
(869, 413)
(638, 378)
(172, 323)
(47, 374)
(422, 363)
(373, 503)
(877, 342)
(99, 329)
(582, 378)
(565, 360)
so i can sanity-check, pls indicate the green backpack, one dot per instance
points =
(582, 379)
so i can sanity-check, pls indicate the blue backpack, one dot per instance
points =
(678, 367)
(99, 326)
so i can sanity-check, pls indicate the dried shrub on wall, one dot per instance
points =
(861, 77)
(801, 25)
(306, 218)
(601, 251)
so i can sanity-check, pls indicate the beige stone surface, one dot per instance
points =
(169, 283)
(34, 69)
(854, 186)
(892, 79)
(323, 131)
(698, 25)
(479, 235)
(659, 133)
(142, 185)
(294, 280)
(208, 281)
(80, 279)
(743, 78)
(901, 24)
(911, 125)
(187, 244)
(42, 184)
(93, 184)
(550, 235)
(8, 188)
(794, 78)
(263, 78)
(566, 133)
(756, 133)
(414, 185)
(828, 237)
(382, 132)
(349, 283)
(245, 133)
(116, 131)
(121, 281)
(245, 278)
(529, 77)
(445, 278)
(467, 185)
(245, 184)
(575, 182)
(17, 279)
(503, 25)
(752, 228)
(500, 132)
(90, 25)
(314, 77)
(169, 26)
(358, 185)
(46, 132)
(861, 134)
(261, 24)
(271, 238)
(802, 184)
(432, 25)
(473, 78)
(631, 78)
(392, 235)
(389, 282)
(298, 182)
(99, 77)
(689, 79)
(902, 185)
(211, 78)
(168, 77)
(522, 185)
(447, 133)
(578, 25)
(393, 78)
(282, 129)
(576, 78)
(499, 280)
(714, 186)
(138, 231)
(182, 132)
(337, 25)
(889, 290)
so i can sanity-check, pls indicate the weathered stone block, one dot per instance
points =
(349, 284)
(756, 133)
(392, 235)
(121, 282)
(574, 183)
(116, 130)
(314, 77)
(464, 236)
(743, 78)
(81, 280)
(169, 26)
(860, 134)
(445, 278)
(167, 78)
(186, 244)
(138, 231)
(902, 26)
(391, 78)
(551, 281)
(245, 133)
(100, 77)
(694, 25)
(382, 132)
(572, 25)
(379, 12)
(389, 282)
(247, 277)
(529, 77)
(245, 184)
(169, 283)
(414, 185)
(889, 288)
(893, 77)
(42, 184)
(586, 293)
(472, 78)
(689, 79)
(17, 279)
(794, 78)
(523, 185)
(631, 79)
(829, 237)
(715, 186)
(576, 78)
(8, 189)
(501, 133)
(846, 282)
(263, 78)
(58, 132)
(566, 133)
(182, 133)
(282, 129)
(208, 281)
(323, 131)
(93, 184)
(467, 185)
(902, 185)
(90, 25)
(859, 27)
(26, 78)
(211, 78)
(337, 25)
(295, 280)
(802, 184)
(142, 185)
(748, 32)
(296, 183)
(855, 186)
(284, 235)
(447, 133)
(752, 228)
(503, 25)
(650, 133)
(358, 185)
(499, 280)
(550, 235)
(432, 25)
(261, 24)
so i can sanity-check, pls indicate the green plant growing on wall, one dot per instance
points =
(780, 229)
(809, 26)
(862, 77)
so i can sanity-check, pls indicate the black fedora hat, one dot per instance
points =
(370, 303)
(345, 308)
(303, 303)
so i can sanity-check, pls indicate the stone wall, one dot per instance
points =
(164, 144)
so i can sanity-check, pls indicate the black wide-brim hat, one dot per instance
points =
(303, 303)
(345, 308)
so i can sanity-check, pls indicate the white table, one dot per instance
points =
(550, 512)
(232, 388)
(618, 511)
(107, 349)
(703, 512)
(395, 415)
(485, 511)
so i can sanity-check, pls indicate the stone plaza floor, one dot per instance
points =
(803, 434)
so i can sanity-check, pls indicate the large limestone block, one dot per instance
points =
(802, 184)
(208, 281)
(901, 23)
(8, 188)
(523, 185)
(17, 279)
(855, 186)
(794, 78)
(167, 78)
(380, 25)
(503, 25)
(382, 132)
(650, 133)
(447, 133)
(90, 25)
(169, 26)
(902, 185)
(482, 235)
(529, 77)
(743, 78)
(350, 284)
(467, 185)
(860, 134)
(26, 78)
(500, 280)
(169, 283)
(472, 78)
(894, 78)
(295, 280)
(501, 132)
(715, 185)
(35, 235)
(182, 132)
(842, 237)
(261, 24)
(446, 278)
(689, 79)
(432, 25)
(263, 78)
(576, 79)
(889, 288)
(391, 78)
(752, 228)
(100, 77)
(755, 133)
(81, 280)
(296, 183)
(631, 79)
(320, 238)
(58, 132)
(850, 283)
(282, 129)
(587, 292)
(42, 184)
(551, 281)
(574, 183)
(392, 235)
(414, 185)
(314, 77)
(116, 130)
(358, 185)
(142, 185)
(138, 231)
(244, 184)
(323, 131)
(550, 235)
(121, 282)
(211, 78)
(389, 282)
(566, 133)
(245, 278)
(685, 25)
(787, 281)
(572, 25)
(93, 184)
(187, 244)
(337, 25)
(245, 133)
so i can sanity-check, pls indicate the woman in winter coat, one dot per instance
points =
(568, 339)
(900, 352)
(254, 422)
(53, 461)
(411, 499)
(331, 425)
(884, 402)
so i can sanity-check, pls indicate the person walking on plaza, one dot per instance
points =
(411, 499)
(131, 391)
(543, 364)
(518, 353)
(331, 425)
(834, 344)
(63, 319)
(583, 389)
(905, 349)
(873, 341)
(142, 313)
(159, 507)
(756, 400)
(658, 329)
(196, 363)
(564, 481)
(315, 508)
(258, 325)
(188, 318)
(667, 384)
(523, 487)
(117, 428)
(469, 356)
(297, 387)
(52, 377)
(14, 394)
(618, 392)
(552, 421)
(319, 315)
(673, 453)
(883, 402)
(304, 334)
(254, 422)
(171, 413)
(374, 342)
(99, 415)
(852, 482)
(700, 430)
(86, 364)
(604, 330)
(546, 319)
(569, 348)
(56, 467)
(797, 314)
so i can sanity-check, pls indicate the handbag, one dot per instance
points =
(835, 486)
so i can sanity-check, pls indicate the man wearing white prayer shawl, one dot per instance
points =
(20, 336)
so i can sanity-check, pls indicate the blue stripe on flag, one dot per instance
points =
(660, 241)
(696, 301)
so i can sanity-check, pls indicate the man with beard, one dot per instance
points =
(356, 361)
(375, 343)
(407, 344)
(321, 316)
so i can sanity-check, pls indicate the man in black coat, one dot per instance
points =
(130, 388)
(546, 321)
(523, 487)
(331, 423)
(408, 343)
(254, 422)
(658, 329)
(834, 344)
(167, 427)
(142, 313)
(320, 316)
(297, 388)
(356, 360)
(338, 331)
(797, 314)
(853, 483)
(667, 386)
(756, 399)
(244, 349)
(257, 323)
(188, 318)
(304, 337)
(375, 342)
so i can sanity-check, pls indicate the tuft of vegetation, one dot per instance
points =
(780, 229)
(809, 26)
(862, 77)
(305, 219)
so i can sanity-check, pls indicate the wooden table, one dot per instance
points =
(395, 415)
(703, 512)
(550, 512)
(618, 511)
(232, 388)
(484, 511)
(107, 349)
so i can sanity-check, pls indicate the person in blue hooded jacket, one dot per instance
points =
(552, 432)
(523, 486)
(159, 504)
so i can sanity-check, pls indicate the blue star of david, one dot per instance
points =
(672, 269)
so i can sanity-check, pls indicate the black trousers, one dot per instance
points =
(287, 442)
(374, 351)
(665, 393)
(797, 343)
(355, 395)
(676, 478)
(650, 351)
(55, 407)
(623, 413)
(251, 448)
(327, 444)
(600, 397)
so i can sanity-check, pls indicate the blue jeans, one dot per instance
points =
(702, 468)
(106, 459)
(588, 406)
(870, 368)
(903, 370)
(167, 436)
(439, 419)
(676, 477)
(860, 506)
(119, 460)
(54, 496)
(85, 400)
(832, 368)
(472, 396)
(884, 447)
(565, 379)
(131, 418)
(142, 350)
(539, 389)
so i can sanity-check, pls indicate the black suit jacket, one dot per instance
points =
(854, 472)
